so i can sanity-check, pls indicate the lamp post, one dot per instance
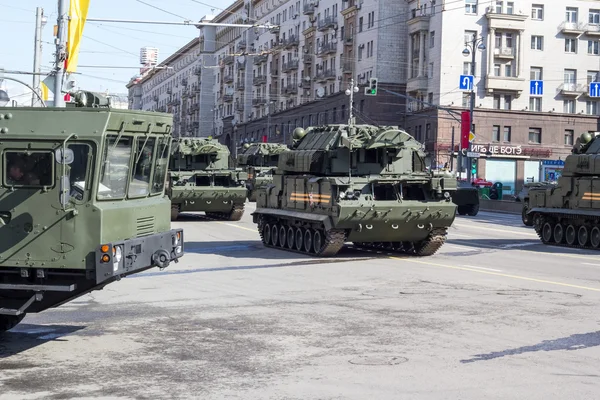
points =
(470, 47)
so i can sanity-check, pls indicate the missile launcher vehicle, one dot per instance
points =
(359, 183)
(568, 213)
(259, 160)
(201, 179)
(82, 202)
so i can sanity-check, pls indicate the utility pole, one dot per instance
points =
(61, 51)
(40, 21)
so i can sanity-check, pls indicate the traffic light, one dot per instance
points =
(371, 90)
(474, 168)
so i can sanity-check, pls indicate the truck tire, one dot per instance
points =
(527, 219)
(7, 322)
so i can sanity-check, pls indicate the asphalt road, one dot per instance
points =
(495, 315)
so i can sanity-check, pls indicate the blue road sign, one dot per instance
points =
(536, 87)
(466, 82)
(594, 89)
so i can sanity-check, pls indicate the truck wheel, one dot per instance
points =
(473, 210)
(461, 210)
(174, 212)
(527, 219)
(7, 322)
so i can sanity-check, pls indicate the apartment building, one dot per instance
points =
(534, 61)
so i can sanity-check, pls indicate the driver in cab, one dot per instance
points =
(18, 174)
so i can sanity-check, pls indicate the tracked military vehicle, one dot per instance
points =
(568, 214)
(359, 183)
(201, 179)
(82, 202)
(259, 160)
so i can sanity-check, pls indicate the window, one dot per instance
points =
(569, 106)
(508, 69)
(496, 133)
(593, 47)
(140, 174)
(507, 101)
(466, 100)
(594, 17)
(591, 107)
(496, 69)
(432, 39)
(570, 45)
(535, 104)
(78, 169)
(535, 135)
(537, 43)
(115, 167)
(571, 14)
(467, 68)
(569, 137)
(506, 136)
(535, 74)
(470, 6)
(161, 166)
(29, 168)
(496, 102)
(537, 12)
(592, 76)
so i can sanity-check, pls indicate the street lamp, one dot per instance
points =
(475, 43)
(4, 99)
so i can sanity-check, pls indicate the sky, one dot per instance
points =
(103, 43)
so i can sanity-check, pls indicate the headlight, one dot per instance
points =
(117, 257)
(176, 239)
(342, 196)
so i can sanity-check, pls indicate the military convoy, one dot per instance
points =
(82, 202)
(259, 160)
(359, 183)
(200, 179)
(466, 199)
(568, 213)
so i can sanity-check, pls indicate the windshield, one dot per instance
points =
(160, 170)
(78, 169)
(115, 167)
(140, 176)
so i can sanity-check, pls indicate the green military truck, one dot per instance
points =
(82, 202)
(259, 160)
(201, 178)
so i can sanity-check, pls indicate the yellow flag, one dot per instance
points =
(77, 15)
(44, 90)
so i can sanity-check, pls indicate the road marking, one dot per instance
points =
(509, 246)
(594, 265)
(498, 230)
(485, 269)
(240, 227)
(523, 278)
(460, 235)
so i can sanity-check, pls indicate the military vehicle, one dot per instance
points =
(259, 160)
(359, 183)
(523, 196)
(568, 214)
(466, 199)
(82, 202)
(201, 179)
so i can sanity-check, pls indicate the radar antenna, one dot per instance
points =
(351, 125)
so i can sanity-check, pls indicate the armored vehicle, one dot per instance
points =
(568, 214)
(82, 202)
(359, 183)
(523, 197)
(466, 199)
(200, 179)
(259, 160)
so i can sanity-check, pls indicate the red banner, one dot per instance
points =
(465, 129)
(264, 139)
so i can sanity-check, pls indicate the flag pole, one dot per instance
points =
(61, 36)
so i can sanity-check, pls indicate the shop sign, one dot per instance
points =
(553, 162)
(505, 150)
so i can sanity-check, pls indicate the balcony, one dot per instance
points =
(291, 65)
(261, 59)
(228, 98)
(504, 52)
(348, 67)
(291, 89)
(259, 80)
(572, 89)
(509, 21)
(329, 74)
(241, 45)
(309, 9)
(348, 40)
(259, 101)
(418, 84)
(592, 29)
(198, 71)
(504, 84)
(275, 30)
(308, 58)
(327, 23)
(239, 107)
(241, 65)
(228, 60)
(326, 49)
(572, 28)
(418, 23)
(240, 86)
(306, 83)
(291, 42)
(228, 79)
(320, 77)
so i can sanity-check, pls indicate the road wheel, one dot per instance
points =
(527, 219)
(267, 233)
(308, 240)
(290, 237)
(299, 239)
(559, 233)
(7, 322)
(571, 235)
(583, 235)
(547, 232)
(275, 235)
(317, 241)
(282, 235)
(595, 237)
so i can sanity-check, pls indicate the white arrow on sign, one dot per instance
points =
(466, 82)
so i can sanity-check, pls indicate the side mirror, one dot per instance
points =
(65, 157)
(65, 190)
